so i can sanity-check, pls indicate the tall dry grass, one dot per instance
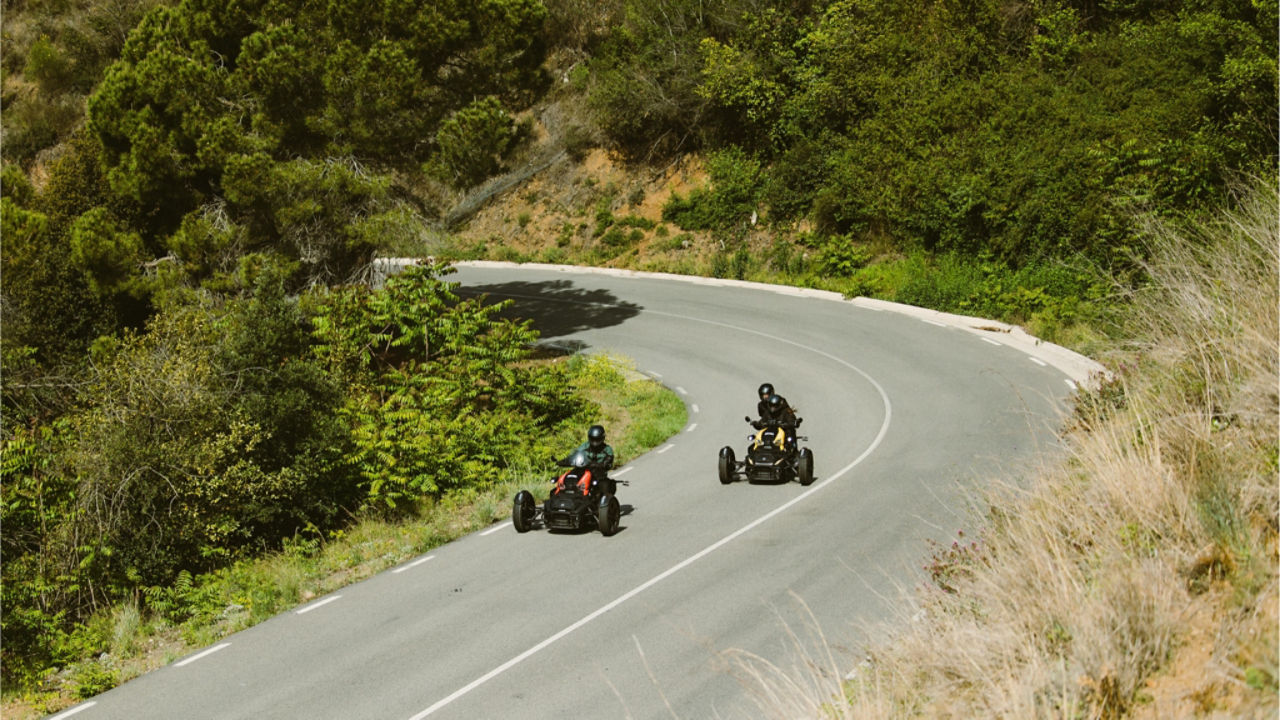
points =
(1080, 596)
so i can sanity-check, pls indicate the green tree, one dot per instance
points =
(48, 304)
(107, 253)
(471, 142)
(286, 119)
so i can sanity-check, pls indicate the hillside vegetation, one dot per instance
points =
(196, 372)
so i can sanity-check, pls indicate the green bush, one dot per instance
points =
(636, 221)
(48, 66)
(49, 305)
(614, 238)
(840, 257)
(732, 197)
(736, 265)
(604, 215)
(41, 584)
(472, 142)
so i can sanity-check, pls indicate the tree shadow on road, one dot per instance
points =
(557, 307)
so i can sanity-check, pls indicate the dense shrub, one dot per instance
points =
(731, 199)
(441, 397)
(471, 142)
(1032, 136)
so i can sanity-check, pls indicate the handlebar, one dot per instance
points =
(564, 462)
(759, 424)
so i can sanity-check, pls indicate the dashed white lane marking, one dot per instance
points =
(695, 408)
(73, 711)
(495, 529)
(199, 655)
(691, 427)
(623, 471)
(681, 390)
(1038, 361)
(664, 448)
(421, 560)
(317, 604)
(993, 342)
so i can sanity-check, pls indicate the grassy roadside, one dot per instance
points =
(1138, 579)
(638, 412)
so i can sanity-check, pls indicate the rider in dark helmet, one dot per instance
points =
(597, 450)
(780, 411)
(762, 407)
(599, 453)
(782, 415)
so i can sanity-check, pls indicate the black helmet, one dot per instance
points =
(776, 402)
(765, 390)
(595, 435)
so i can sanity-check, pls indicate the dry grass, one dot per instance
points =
(1138, 578)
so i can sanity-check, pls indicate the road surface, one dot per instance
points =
(906, 411)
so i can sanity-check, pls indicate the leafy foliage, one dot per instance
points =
(472, 142)
(730, 200)
(265, 128)
(235, 422)
(49, 304)
(445, 400)
(963, 128)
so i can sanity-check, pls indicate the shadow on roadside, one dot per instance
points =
(557, 307)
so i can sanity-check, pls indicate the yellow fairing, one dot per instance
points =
(778, 440)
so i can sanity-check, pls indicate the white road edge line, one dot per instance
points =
(651, 581)
(199, 655)
(421, 560)
(691, 427)
(623, 471)
(664, 448)
(1037, 361)
(1071, 383)
(884, 429)
(695, 408)
(681, 390)
(316, 604)
(495, 529)
(73, 711)
(993, 342)
(934, 322)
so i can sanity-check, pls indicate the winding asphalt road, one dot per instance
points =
(904, 409)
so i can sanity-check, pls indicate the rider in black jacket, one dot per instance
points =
(775, 410)
(780, 412)
(762, 407)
